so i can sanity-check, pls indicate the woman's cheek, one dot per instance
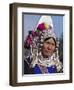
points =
(53, 49)
(45, 46)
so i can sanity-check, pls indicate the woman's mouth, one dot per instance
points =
(49, 50)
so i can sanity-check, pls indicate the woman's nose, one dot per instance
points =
(49, 47)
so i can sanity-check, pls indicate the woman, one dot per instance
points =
(43, 52)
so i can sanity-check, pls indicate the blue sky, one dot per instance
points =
(31, 20)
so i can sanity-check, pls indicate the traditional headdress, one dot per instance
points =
(45, 28)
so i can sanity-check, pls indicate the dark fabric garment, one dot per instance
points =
(27, 69)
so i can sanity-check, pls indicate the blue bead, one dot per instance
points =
(51, 69)
(37, 70)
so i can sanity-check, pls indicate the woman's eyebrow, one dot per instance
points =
(50, 42)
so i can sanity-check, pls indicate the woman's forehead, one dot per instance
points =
(50, 40)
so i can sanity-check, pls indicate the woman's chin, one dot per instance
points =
(46, 55)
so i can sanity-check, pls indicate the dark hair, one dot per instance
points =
(50, 38)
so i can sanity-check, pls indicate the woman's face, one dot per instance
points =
(48, 47)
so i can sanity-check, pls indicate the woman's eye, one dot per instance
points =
(53, 44)
(50, 43)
